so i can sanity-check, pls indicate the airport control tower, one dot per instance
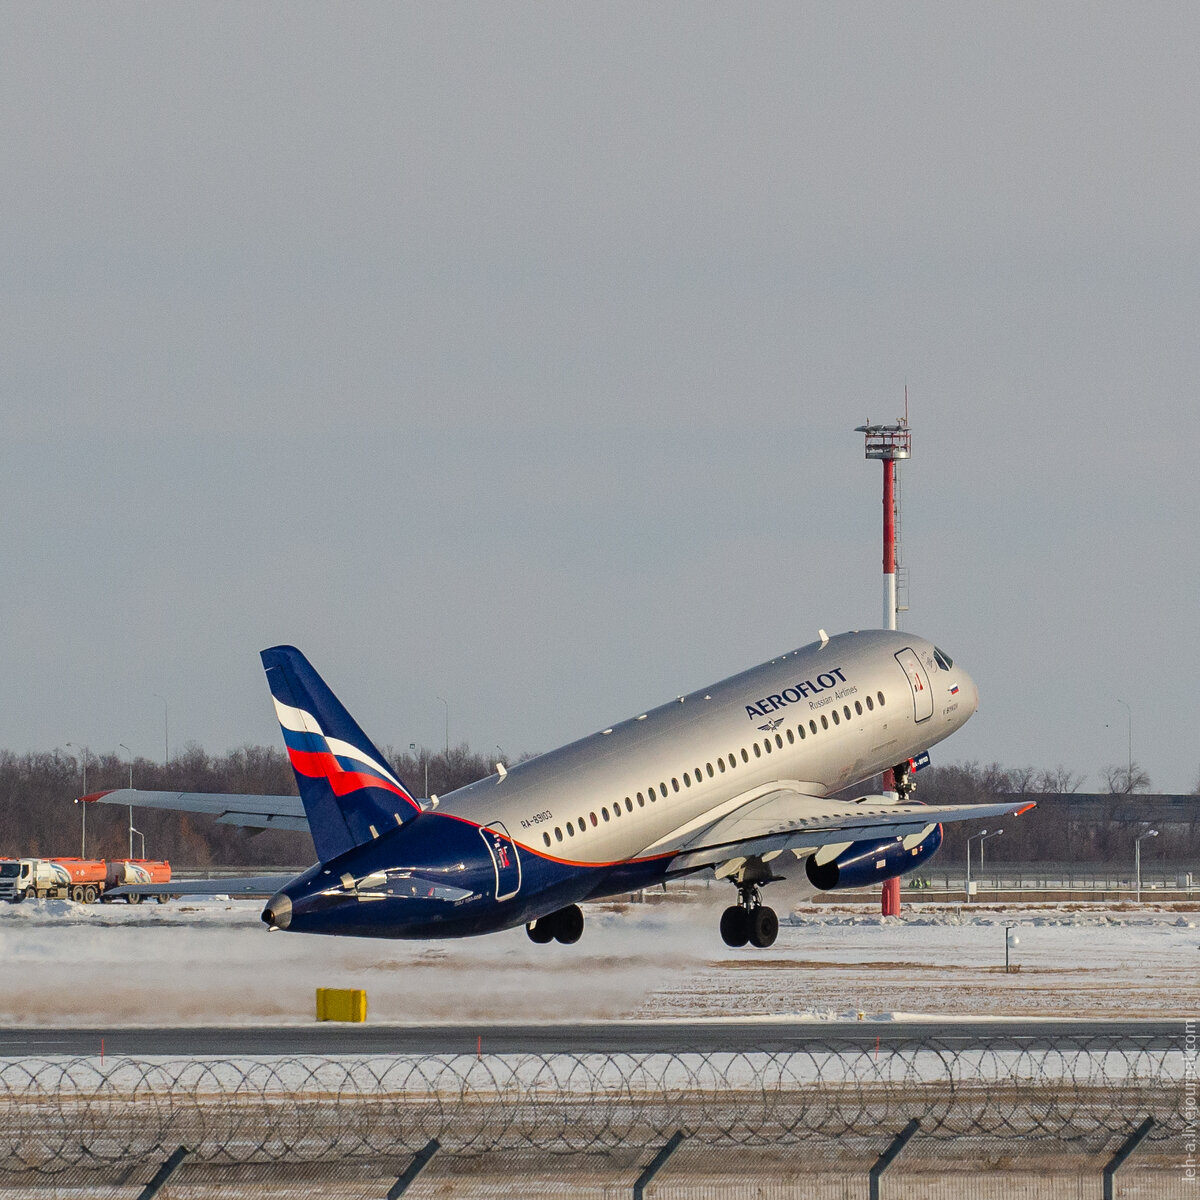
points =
(890, 444)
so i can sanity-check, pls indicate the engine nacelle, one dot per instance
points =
(864, 863)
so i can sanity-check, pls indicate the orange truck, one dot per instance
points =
(84, 880)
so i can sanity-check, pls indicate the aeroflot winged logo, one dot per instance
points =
(804, 690)
(346, 767)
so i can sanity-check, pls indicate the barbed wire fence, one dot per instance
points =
(59, 1116)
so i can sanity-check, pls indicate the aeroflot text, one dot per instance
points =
(801, 691)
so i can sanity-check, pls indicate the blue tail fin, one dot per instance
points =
(349, 793)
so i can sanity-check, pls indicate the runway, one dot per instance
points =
(643, 1037)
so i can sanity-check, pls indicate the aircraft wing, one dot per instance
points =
(770, 821)
(251, 885)
(256, 812)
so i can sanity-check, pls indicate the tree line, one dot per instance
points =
(38, 818)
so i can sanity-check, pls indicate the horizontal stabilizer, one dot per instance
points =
(254, 812)
(250, 885)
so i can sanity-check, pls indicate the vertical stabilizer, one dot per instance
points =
(349, 793)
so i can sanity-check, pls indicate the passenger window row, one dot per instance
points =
(661, 790)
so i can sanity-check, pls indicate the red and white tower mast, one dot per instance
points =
(890, 444)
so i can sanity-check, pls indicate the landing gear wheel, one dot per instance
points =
(540, 931)
(735, 926)
(568, 924)
(764, 927)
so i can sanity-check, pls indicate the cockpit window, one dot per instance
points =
(942, 659)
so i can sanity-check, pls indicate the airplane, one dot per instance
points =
(736, 779)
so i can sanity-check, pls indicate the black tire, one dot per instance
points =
(162, 897)
(568, 924)
(735, 926)
(76, 894)
(17, 897)
(764, 927)
(541, 931)
(133, 898)
(90, 894)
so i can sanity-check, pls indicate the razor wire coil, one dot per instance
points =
(59, 1113)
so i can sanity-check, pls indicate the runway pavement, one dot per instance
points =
(332, 1040)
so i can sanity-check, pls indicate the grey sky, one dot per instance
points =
(512, 353)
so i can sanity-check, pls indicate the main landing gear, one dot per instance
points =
(749, 920)
(565, 926)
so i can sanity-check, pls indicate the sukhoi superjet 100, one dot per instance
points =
(737, 780)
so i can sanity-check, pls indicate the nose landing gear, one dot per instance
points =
(749, 920)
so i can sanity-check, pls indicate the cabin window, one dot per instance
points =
(732, 761)
(879, 697)
(779, 740)
(675, 784)
(858, 707)
(708, 767)
(846, 711)
(800, 731)
(641, 800)
(824, 722)
(594, 821)
(546, 838)
(616, 810)
(628, 804)
(870, 704)
(570, 829)
(745, 756)
(721, 765)
(582, 824)
(604, 814)
(757, 751)
(836, 719)
(557, 834)
(662, 787)
(687, 779)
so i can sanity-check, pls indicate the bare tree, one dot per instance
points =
(1059, 779)
(1124, 779)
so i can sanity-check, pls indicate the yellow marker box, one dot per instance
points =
(341, 1004)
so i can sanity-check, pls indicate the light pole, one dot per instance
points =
(447, 704)
(1129, 730)
(83, 805)
(983, 833)
(1137, 858)
(425, 759)
(166, 731)
(132, 831)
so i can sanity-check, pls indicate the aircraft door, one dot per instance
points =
(918, 682)
(504, 858)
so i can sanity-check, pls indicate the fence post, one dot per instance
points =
(890, 1155)
(656, 1165)
(163, 1174)
(1131, 1143)
(419, 1162)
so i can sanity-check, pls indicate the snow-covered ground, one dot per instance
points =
(212, 962)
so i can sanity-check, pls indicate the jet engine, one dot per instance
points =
(863, 863)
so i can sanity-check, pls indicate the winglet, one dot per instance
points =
(349, 793)
(92, 797)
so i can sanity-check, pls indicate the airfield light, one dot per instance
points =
(1137, 858)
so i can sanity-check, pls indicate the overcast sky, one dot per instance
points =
(511, 354)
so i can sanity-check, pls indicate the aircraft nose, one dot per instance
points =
(970, 692)
(278, 913)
